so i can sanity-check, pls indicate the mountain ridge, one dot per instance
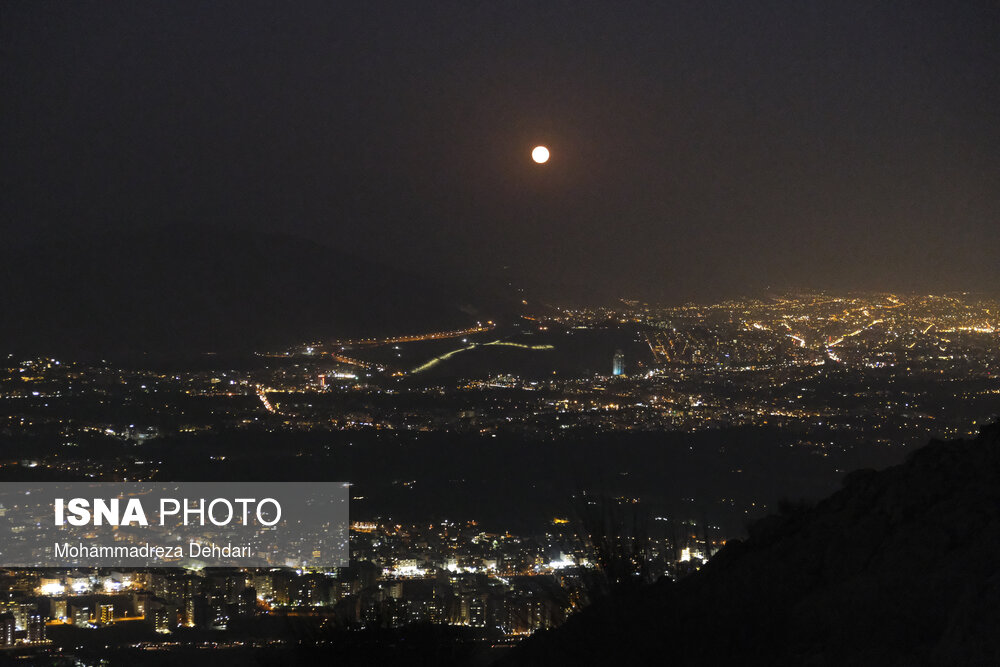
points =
(208, 289)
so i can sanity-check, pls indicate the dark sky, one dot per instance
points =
(698, 148)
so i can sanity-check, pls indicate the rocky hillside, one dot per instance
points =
(899, 567)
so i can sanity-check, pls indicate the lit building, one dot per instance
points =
(105, 614)
(60, 609)
(164, 619)
(81, 617)
(22, 612)
(618, 363)
(36, 629)
(7, 625)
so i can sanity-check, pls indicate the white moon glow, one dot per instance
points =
(540, 154)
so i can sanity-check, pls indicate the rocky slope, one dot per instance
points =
(899, 567)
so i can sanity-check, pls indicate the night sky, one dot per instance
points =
(699, 149)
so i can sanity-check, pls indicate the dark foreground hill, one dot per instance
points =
(193, 289)
(900, 567)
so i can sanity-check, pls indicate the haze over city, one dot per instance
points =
(697, 151)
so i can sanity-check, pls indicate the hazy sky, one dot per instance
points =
(698, 148)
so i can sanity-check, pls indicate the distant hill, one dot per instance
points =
(199, 290)
(900, 567)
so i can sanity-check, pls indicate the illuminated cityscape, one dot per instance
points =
(499, 334)
(829, 381)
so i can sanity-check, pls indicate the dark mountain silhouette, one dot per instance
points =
(900, 567)
(208, 289)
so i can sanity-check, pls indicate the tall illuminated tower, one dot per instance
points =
(618, 363)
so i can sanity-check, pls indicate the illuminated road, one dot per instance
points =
(436, 335)
(262, 395)
(448, 355)
(854, 333)
(355, 362)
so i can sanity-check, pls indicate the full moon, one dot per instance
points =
(540, 154)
